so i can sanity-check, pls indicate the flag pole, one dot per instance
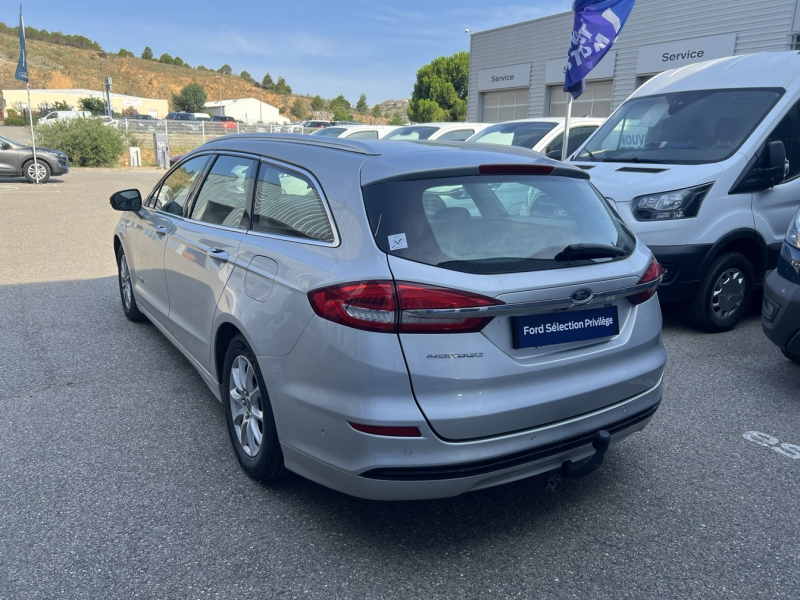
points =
(33, 139)
(568, 116)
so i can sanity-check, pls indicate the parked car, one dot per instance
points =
(63, 115)
(780, 311)
(106, 120)
(187, 120)
(175, 159)
(139, 122)
(545, 135)
(356, 132)
(703, 164)
(16, 160)
(224, 122)
(425, 332)
(316, 124)
(444, 132)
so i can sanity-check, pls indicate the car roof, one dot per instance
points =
(572, 121)
(762, 70)
(387, 159)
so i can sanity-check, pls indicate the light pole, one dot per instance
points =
(219, 82)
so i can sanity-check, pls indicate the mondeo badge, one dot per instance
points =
(582, 296)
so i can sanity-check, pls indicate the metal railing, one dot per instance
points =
(203, 130)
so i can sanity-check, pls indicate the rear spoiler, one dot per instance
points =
(555, 169)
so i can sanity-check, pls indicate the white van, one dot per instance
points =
(703, 164)
(63, 115)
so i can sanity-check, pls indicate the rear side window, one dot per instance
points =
(493, 224)
(420, 132)
(222, 199)
(287, 203)
(175, 189)
(456, 136)
(364, 135)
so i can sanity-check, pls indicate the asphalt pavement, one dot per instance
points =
(117, 478)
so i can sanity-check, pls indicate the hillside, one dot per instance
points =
(54, 66)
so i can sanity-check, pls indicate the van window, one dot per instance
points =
(692, 127)
(492, 225)
(788, 132)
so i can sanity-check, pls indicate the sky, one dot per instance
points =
(326, 48)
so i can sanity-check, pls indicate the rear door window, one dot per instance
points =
(494, 224)
(456, 136)
(288, 204)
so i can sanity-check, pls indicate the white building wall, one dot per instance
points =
(760, 25)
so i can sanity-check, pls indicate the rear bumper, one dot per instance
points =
(418, 468)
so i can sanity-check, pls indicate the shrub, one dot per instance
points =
(15, 120)
(87, 142)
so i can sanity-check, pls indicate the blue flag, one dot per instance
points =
(597, 25)
(22, 65)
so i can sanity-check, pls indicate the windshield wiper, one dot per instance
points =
(588, 251)
(592, 156)
(636, 159)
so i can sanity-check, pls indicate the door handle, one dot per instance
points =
(161, 230)
(217, 254)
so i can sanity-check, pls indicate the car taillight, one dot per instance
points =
(653, 272)
(383, 306)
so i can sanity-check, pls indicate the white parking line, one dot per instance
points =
(768, 441)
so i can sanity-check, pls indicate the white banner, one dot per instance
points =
(671, 55)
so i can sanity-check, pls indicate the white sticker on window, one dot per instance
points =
(398, 242)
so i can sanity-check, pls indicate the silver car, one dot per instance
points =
(398, 320)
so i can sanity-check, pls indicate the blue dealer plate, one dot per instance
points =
(561, 328)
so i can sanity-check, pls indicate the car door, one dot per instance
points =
(9, 159)
(148, 236)
(202, 251)
(774, 208)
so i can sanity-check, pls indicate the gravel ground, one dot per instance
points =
(117, 479)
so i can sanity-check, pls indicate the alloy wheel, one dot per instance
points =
(246, 408)
(37, 171)
(125, 281)
(729, 291)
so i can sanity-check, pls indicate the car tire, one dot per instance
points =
(29, 171)
(724, 295)
(248, 412)
(795, 358)
(129, 306)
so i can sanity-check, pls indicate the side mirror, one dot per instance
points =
(774, 169)
(127, 200)
(6, 146)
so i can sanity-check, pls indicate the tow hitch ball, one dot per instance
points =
(600, 443)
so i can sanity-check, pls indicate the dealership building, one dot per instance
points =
(517, 71)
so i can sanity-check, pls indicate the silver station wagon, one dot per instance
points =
(398, 320)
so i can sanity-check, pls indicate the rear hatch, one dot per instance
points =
(538, 275)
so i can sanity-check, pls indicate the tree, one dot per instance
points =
(361, 105)
(299, 109)
(376, 111)
(341, 109)
(147, 53)
(178, 62)
(166, 59)
(282, 88)
(125, 53)
(94, 105)
(396, 119)
(268, 83)
(225, 69)
(192, 98)
(440, 92)
(247, 77)
(130, 111)
(201, 68)
(317, 103)
(61, 105)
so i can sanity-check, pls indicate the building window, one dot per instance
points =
(595, 101)
(505, 106)
(642, 79)
(796, 41)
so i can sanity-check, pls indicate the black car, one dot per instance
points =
(188, 120)
(17, 160)
(780, 312)
(143, 122)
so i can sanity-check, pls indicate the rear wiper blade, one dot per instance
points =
(588, 251)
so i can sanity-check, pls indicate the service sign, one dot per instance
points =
(549, 329)
(504, 78)
(671, 55)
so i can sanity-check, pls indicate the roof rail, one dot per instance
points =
(358, 147)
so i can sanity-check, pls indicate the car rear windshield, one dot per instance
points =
(522, 134)
(693, 127)
(422, 132)
(495, 224)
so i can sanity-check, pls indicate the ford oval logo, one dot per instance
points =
(582, 296)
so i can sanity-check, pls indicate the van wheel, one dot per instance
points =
(30, 171)
(724, 295)
(795, 358)
(249, 414)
